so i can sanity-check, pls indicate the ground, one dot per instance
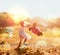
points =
(48, 44)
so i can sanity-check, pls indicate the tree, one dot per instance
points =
(6, 20)
(58, 22)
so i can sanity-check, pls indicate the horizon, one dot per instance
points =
(42, 8)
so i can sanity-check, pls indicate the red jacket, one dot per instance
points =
(36, 31)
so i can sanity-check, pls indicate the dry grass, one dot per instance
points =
(49, 45)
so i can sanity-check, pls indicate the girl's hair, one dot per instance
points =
(22, 23)
(34, 24)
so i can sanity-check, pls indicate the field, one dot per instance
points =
(48, 44)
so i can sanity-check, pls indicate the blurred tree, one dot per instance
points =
(58, 22)
(6, 20)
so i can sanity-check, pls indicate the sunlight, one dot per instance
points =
(56, 31)
(19, 13)
(41, 43)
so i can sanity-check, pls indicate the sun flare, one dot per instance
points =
(19, 13)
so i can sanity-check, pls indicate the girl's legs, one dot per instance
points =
(24, 41)
(20, 42)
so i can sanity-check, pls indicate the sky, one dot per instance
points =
(42, 8)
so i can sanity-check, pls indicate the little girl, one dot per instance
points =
(23, 35)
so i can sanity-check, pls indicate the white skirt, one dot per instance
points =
(25, 35)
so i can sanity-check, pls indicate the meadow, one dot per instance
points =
(47, 44)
